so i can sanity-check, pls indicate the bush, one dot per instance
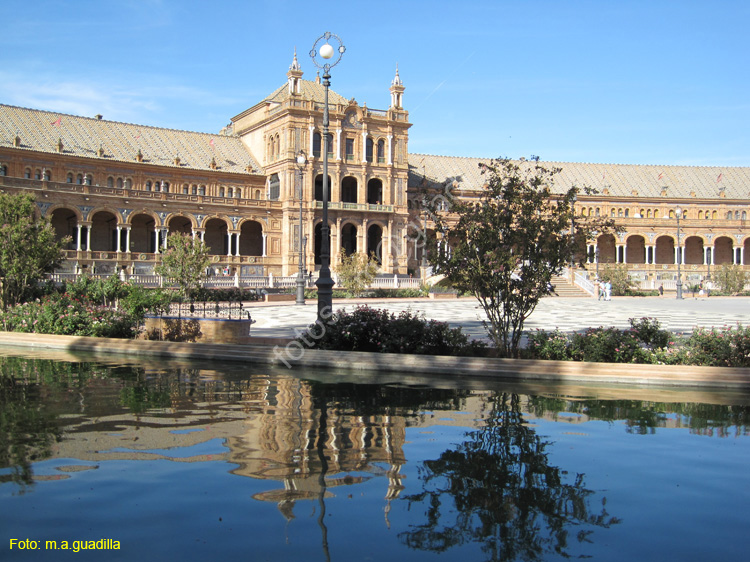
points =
(649, 332)
(369, 329)
(64, 314)
(721, 348)
(553, 346)
(608, 345)
(644, 342)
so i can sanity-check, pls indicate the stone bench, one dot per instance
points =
(279, 297)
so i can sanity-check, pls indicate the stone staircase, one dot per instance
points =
(565, 288)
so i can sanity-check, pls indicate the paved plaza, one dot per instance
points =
(279, 320)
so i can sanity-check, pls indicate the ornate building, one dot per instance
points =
(118, 190)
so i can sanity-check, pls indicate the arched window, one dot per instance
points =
(3, 170)
(37, 174)
(368, 150)
(110, 181)
(120, 184)
(598, 211)
(238, 192)
(381, 151)
(222, 191)
(648, 214)
(744, 215)
(714, 215)
(202, 190)
(656, 213)
(230, 192)
(148, 185)
(165, 186)
(614, 213)
(27, 173)
(185, 189)
(627, 212)
(729, 215)
(79, 179)
(700, 215)
(278, 147)
(128, 183)
(47, 175)
(736, 215)
(89, 179)
(257, 194)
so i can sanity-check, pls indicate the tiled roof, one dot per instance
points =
(309, 91)
(616, 180)
(83, 136)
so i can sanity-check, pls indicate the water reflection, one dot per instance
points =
(495, 486)
(499, 489)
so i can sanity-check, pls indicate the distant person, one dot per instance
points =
(661, 290)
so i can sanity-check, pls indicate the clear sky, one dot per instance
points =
(607, 81)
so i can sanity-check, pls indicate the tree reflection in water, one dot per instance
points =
(497, 488)
(27, 427)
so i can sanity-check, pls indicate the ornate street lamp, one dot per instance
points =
(678, 214)
(301, 163)
(325, 284)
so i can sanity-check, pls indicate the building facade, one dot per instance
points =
(118, 190)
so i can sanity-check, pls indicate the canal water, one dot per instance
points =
(199, 461)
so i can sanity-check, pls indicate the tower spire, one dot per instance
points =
(397, 91)
(294, 75)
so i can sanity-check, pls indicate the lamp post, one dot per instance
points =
(301, 163)
(678, 213)
(325, 284)
(596, 252)
(572, 234)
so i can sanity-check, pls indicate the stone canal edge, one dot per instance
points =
(285, 353)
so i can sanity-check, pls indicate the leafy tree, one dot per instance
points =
(184, 263)
(731, 279)
(617, 275)
(357, 271)
(505, 245)
(28, 248)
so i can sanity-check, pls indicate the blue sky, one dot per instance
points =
(609, 81)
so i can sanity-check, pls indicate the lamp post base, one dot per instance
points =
(325, 297)
(300, 289)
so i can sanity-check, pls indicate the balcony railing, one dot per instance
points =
(355, 206)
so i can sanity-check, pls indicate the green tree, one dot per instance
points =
(184, 263)
(28, 247)
(731, 279)
(356, 272)
(617, 275)
(505, 245)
